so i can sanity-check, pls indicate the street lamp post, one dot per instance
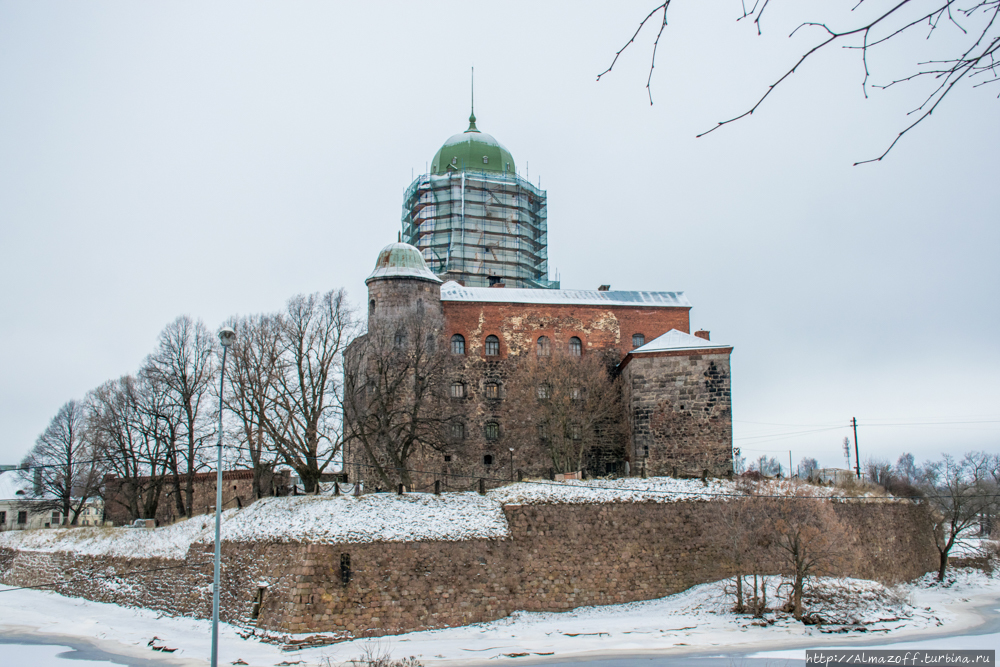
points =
(226, 337)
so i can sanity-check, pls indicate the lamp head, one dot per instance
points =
(226, 336)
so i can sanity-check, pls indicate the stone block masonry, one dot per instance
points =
(557, 557)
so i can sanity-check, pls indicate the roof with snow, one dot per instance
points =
(677, 340)
(401, 260)
(10, 483)
(452, 291)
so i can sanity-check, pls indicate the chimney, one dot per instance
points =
(604, 288)
(701, 333)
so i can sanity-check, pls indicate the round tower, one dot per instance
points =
(400, 282)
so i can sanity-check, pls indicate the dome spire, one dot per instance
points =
(472, 116)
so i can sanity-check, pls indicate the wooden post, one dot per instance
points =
(437, 487)
(482, 486)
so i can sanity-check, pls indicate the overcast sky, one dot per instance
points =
(213, 159)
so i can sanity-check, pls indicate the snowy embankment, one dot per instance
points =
(699, 619)
(380, 517)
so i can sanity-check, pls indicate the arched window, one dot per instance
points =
(492, 431)
(458, 344)
(544, 347)
(487, 459)
(575, 347)
(371, 306)
(491, 390)
(457, 432)
(638, 340)
(457, 390)
(492, 346)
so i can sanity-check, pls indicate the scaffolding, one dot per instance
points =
(479, 228)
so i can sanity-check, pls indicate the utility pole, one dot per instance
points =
(790, 463)
(857, 462)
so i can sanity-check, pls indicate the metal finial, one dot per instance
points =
(472, 116)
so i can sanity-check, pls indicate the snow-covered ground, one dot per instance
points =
(696, 620)
(380, 517)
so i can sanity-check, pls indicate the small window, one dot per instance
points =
(492, 346)
(457, 433)
(447, 458)
(575, 432)
(400, 339)
(55, 518)
(576, 394)
(488, 460)
(457, 390)
(544, 391)
(486, 160)
(22, 517)
(454, 160)
(492, 431)
(638, 340)
(3, 518)
(491, 390)
(371, 306)
(575, 347)
(544, 347)
(458, 344)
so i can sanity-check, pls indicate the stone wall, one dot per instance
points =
(557, 557)
(681, 413)
(237, 491)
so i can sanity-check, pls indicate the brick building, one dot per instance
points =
(676, 385)
(476, 259)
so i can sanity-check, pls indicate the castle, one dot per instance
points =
(475, 261)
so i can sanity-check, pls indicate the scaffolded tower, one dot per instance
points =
(475, 220)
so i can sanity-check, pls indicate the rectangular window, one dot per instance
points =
(55, 518)
(3, 518)
(22, 518)
(492, 390)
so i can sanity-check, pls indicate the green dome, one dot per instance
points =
(472, 150)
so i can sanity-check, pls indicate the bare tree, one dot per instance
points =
(810, 539)
(184, 365)
(127, 420)
(957, 495)
(396, 393)
(304, 421)
(766, 465)
(64, 464)
(975, 22)
(255, 368)
(880, 471)
(808, 466)
(569, 404)
(747, 548)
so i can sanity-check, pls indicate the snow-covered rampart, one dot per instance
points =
(381, 517)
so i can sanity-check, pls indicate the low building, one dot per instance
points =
(22, 507)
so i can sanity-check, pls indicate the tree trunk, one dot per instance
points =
(797, 597)
(943, 565)
(740, 608)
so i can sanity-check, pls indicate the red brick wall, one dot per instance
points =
(518, 325)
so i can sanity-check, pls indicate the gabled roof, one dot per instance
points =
(677, 340)
(452, 291)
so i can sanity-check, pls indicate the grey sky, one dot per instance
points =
(159, 159)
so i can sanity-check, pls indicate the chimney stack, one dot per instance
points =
(701, 333)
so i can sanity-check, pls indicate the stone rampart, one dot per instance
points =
(557, 557)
